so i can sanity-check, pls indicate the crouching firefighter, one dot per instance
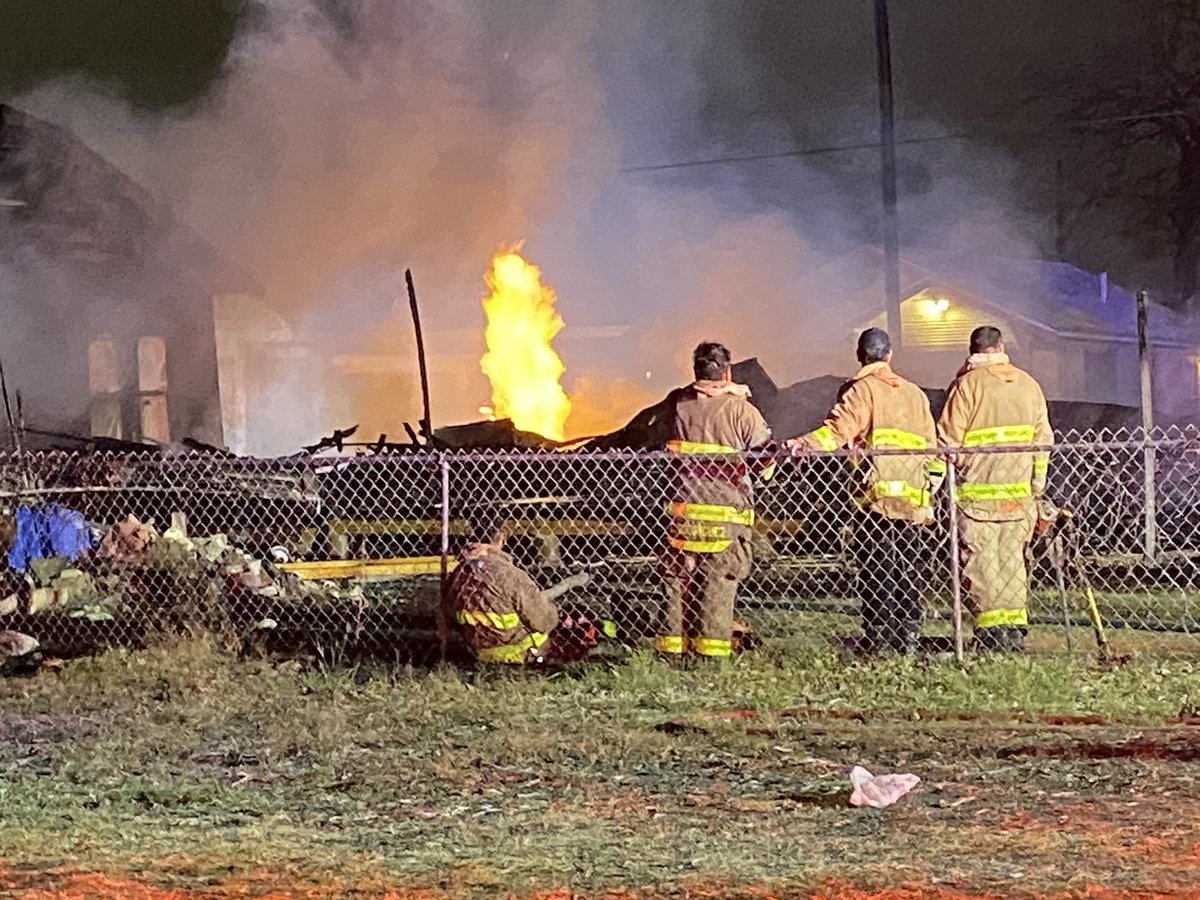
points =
(504, 617)
(711, 510)
(994, 406)
(879, 410)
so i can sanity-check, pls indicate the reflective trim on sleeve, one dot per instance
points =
(700, 546)
(669, 643)
(896, 439)
(698, 449)
(1013, 491)
(824, 438)
(936, 466)
(995, 617)
(1041, 466)
(488, 619)
(712, 646)
(518, 652)
(1001, 434)
(608, 627)
(768, 471)
(711, 512)
(902, 489)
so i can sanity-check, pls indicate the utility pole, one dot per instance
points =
(887, 150)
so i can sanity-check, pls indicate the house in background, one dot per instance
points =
(107, 300)
(1075, 332)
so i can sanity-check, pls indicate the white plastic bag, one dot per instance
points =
(879, 791)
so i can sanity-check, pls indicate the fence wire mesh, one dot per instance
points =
(340, 556)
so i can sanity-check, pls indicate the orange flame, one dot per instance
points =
(520, 363)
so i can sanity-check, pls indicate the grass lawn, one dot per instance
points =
(187, 772)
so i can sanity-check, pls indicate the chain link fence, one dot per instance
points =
(342, 556)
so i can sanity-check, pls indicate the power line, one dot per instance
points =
(785, 154)
(875, 145)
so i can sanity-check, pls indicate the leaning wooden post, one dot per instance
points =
(427, 421)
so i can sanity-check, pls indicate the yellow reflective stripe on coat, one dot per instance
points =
(488, 619)
(517, 652)
(768, 471)
(669, 643)
(896, 439)
(711, 512)
(994, 617)
(936, 466)
(1013, 491)
(700, 546)
(1001, 434)
(902, 489)
(825, 438)
(1041, 466)
(712, 646)
(698, 449)
(608, 627)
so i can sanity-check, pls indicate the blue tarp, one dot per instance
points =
(49, 530)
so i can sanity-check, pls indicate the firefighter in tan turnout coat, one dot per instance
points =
(712, 514)
(992, 405)
(879, 410)
(501, 613)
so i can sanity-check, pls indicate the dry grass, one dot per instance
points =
(190, 770)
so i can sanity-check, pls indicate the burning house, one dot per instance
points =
(108, 300)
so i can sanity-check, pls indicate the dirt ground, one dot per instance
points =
(194, 775)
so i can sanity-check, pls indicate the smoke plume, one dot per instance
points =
(347, 142)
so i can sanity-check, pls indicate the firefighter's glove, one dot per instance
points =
(1047, 516)
(799, 448)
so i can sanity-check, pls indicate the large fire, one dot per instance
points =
(520, 363)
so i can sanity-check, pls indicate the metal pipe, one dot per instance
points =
(1148, 455)
(887, 173)
(955, 564)
(1060, 581)
(444, 464)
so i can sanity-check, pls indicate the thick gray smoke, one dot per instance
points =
(346, 142)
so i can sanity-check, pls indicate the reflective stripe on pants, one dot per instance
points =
(669, 643)
(712, 646)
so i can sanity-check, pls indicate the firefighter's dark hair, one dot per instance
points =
(985, 338)
(710, 361)
(873, 345)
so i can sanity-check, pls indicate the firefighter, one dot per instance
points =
(877, 409)
(501, 613)
(993, 404)
(708, 549)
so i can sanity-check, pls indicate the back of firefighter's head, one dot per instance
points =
(711, 362)
(987, 339)
(874, 345)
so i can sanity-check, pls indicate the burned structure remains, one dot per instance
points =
(107, 299)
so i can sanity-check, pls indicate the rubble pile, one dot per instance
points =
(131, 582)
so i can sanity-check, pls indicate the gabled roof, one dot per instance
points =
(70, 204)
(1055, 297)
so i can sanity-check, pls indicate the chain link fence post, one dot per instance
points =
(956, 618)
(444, 471)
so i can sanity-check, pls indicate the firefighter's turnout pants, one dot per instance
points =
(994, 566)
(890, 578)
(699, 590)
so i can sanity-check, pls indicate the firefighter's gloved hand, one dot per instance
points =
(798, 447)
(1047, 516)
